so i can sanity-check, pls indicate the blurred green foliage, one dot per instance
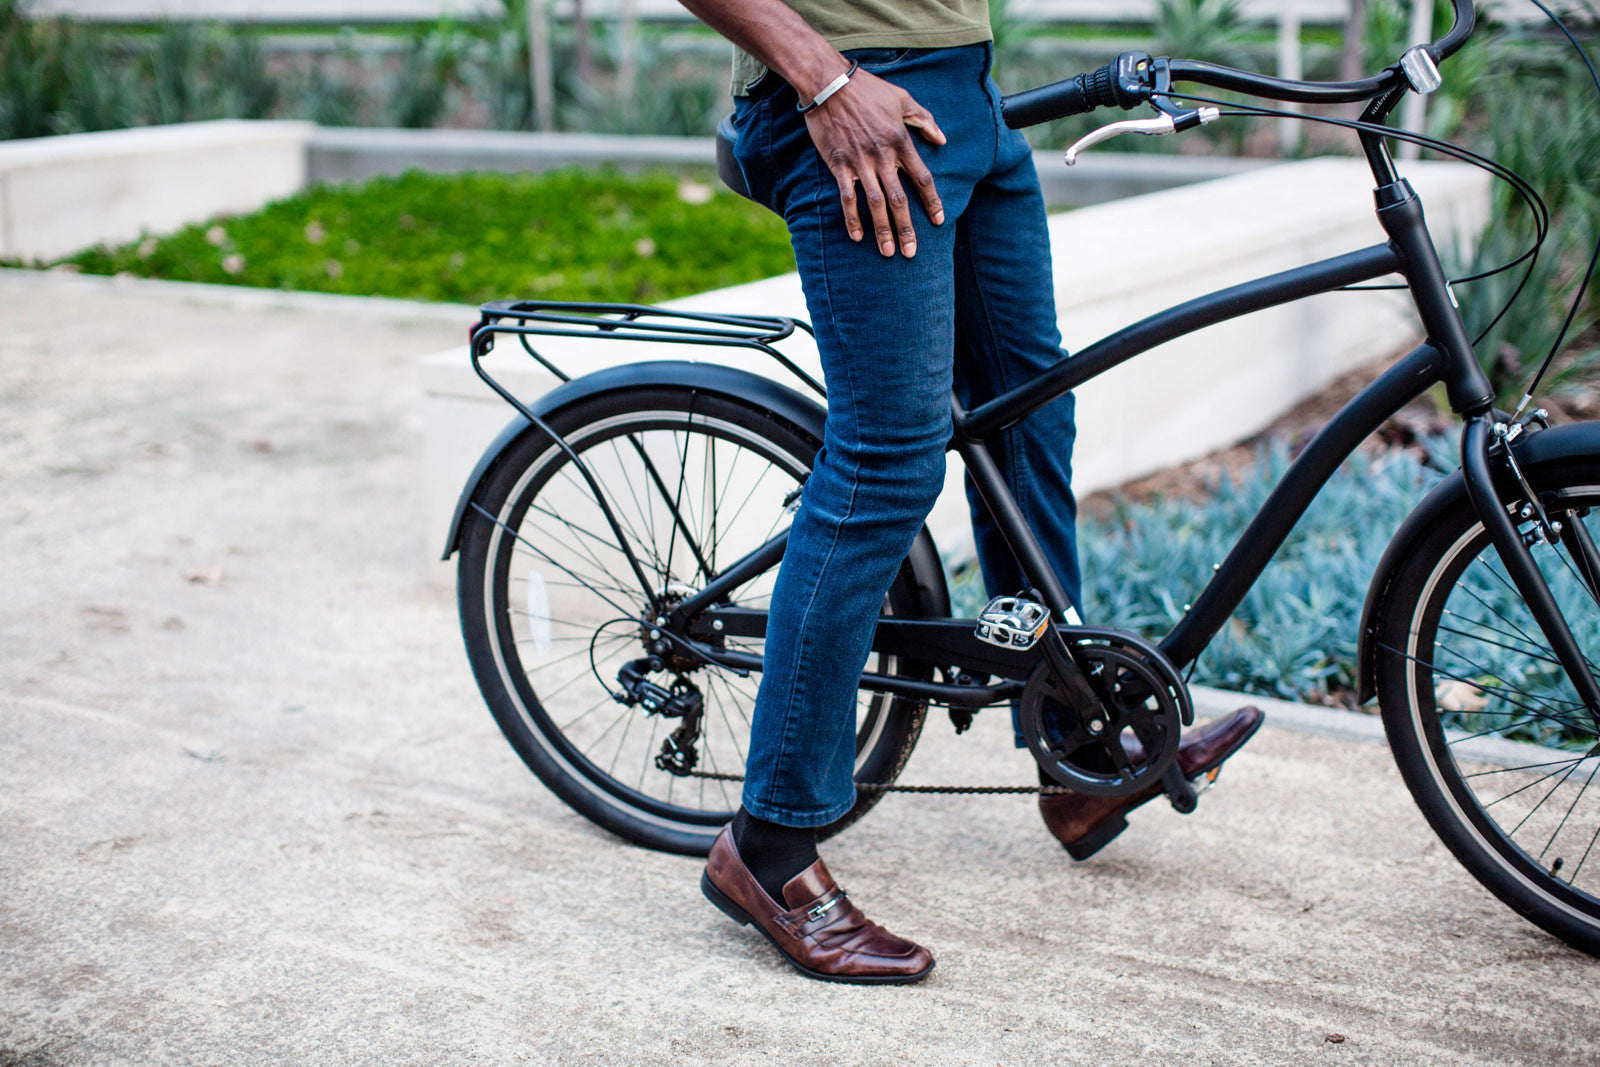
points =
(1529, 104)
(63, 76)
(476, 237)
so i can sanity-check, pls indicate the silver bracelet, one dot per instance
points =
(828, 90)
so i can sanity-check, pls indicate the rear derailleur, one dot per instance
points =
(681, 701)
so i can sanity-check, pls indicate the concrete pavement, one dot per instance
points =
(254, 811)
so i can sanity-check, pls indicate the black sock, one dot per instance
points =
(773, 853)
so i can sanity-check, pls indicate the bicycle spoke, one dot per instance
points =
(1496, 611)
(1585, 857)
(530, 547)
(649, 747)
(1527, 767)
(1561, 781)
(638, 507)
(596, 706)
(608, 543)
(1554, 833)
(1485, 670)
(1513, 590)
(1495, 730)
(1467, 681)
(627, 726)
(1524, 788)
(1499, 644)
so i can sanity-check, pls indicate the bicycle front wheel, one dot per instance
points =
(552, 611)
(1486, 727)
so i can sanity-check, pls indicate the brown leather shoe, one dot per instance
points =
(816, 928)
(1085, 824)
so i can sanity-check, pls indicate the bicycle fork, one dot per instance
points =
(1477, 439)
(1400, 213)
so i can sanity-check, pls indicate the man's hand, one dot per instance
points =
(861, 131)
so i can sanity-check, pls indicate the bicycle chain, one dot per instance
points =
(891, 787)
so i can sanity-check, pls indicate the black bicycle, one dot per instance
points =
(619, 542)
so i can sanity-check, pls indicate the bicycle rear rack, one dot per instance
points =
(630, 322)
(619, 322)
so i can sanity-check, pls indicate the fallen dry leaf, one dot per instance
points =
(204, 575)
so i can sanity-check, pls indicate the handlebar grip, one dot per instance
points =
(1075, 96)
(1120, 83)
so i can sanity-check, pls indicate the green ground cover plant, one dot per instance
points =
(569, 234)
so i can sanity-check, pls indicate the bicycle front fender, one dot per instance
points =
(710, 377)
(1557, 443)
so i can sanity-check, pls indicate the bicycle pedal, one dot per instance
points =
(1012, 622)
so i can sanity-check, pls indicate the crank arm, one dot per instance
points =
(1519, 562)
(1184, 796)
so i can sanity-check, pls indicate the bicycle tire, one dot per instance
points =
(544, 523)
(1483, 723)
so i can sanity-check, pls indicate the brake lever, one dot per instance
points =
(1158, 126)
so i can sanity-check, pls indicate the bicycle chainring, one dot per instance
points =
(1129, 749)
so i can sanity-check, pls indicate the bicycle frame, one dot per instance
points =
(1447, 356)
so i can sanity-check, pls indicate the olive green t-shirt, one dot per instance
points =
(879, 24)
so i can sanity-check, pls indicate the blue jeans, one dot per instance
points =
(973, 310)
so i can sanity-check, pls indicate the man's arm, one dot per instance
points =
(860, 130)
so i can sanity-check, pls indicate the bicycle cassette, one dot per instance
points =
(1129, 747)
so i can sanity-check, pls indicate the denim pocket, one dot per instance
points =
(752, 145)
(874, 60)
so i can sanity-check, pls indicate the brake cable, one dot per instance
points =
(1523, 188)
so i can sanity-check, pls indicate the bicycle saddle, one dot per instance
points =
(728, 167)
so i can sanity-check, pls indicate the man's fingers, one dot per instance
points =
(847, 199)
(899, 210)
(922, 178)
(920, 119)
(878, 206)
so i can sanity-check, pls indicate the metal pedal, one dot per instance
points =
(1012, 622)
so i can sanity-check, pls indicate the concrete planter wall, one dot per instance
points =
(60, 194)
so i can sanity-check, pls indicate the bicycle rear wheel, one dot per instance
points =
(551, 610)
(1486, 727)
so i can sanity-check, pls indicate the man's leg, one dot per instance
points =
(1006, 333)
(885, 332)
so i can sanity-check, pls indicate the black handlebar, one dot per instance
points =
(1125, 83)
(1118, 83)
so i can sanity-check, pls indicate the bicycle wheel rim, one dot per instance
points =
(1466, 626)
(662, 801)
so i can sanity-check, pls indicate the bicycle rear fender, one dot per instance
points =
(713, 378)
(1559, 442)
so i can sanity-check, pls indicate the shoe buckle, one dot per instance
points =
(826, 906)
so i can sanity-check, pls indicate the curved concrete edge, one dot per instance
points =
(245, 297)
